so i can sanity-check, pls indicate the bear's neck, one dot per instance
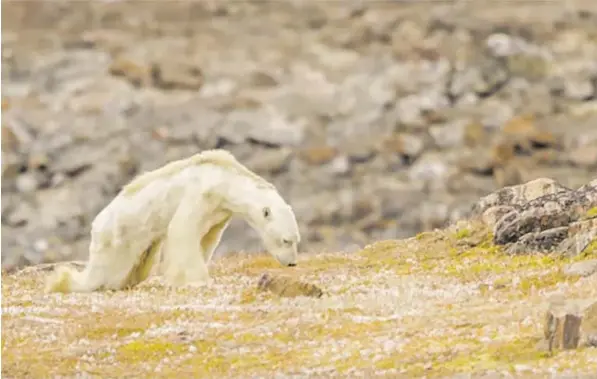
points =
(240, 193)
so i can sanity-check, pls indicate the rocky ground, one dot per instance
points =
(454, 303)
(375, 119)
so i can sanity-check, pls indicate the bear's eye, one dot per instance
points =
(287, 242)
(266, 212)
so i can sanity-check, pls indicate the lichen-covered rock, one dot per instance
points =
(559, 220)
(581, 235)
(285, 286)
(519, 195)
(543, 241)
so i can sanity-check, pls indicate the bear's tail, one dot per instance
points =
(66, 279)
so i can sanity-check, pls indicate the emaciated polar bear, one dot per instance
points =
(185, 206)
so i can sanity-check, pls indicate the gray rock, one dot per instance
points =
(582, 268)
(450, 134)
(543, 213)
(27, 182)
(431, 167)
(270, 161)
(410, 109)
(340, 165)
(540, 242)
(580, 235)
(265, 126)
(491, 216)
(520, 194)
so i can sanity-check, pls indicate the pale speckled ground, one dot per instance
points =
(427, 306)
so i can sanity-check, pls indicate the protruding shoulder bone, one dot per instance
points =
(218, 157)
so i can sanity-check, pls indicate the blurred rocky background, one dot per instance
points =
(375, 119)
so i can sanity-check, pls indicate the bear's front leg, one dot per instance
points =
(185, 262)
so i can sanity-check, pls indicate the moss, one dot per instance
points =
(591, 213)
(144, 349)
(258, 263)
(590, 251)
(107, 332)
(517, 350)
(248, 296)
(327, 262)
(462, 233)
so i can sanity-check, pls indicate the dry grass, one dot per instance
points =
(428, 306)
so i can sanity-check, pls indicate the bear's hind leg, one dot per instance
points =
(142, 269)
(110, 268)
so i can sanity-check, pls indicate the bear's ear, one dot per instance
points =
(267, 212)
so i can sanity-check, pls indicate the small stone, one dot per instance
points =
(430, 167)
(409, 146)
(339, 165)
(136, 73)
(318, 155)
(570, 324)
(578, 88)
(510, 174)
(284, 286)
(177, 75)
(38, 161)
(27, 182)
(584, 156)
(529, 66)
(474, 133)
(360, 153)
(450, 134)
(262, 79)
(12, 164)
(271, 161)
(502, 152)
(520, 125)
(562, 326)
(41, 245)
(543, 139)
(10, 141)
(582, 268)
(277, 130)
(477, 162)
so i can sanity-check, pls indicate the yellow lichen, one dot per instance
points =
(462, 233)
(591, 213)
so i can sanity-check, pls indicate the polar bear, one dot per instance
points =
(179, 210)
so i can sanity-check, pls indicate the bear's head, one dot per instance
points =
(276, 224)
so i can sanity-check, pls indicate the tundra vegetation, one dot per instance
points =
(437, 304)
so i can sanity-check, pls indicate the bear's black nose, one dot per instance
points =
(291, 264)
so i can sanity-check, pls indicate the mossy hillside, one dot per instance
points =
(437, 304)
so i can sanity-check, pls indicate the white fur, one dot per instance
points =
(184, 208)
